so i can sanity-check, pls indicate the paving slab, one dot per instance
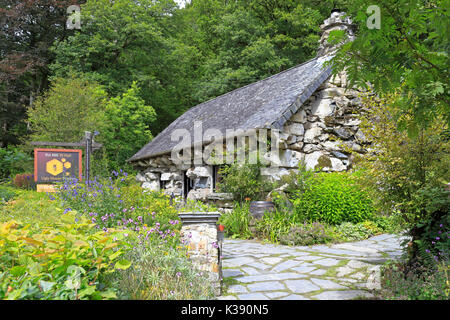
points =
(328, 262)
(301, 286)
(342, 295)
(252, 296)
(266, 286)
(231, 273)
(269, 271)
(326, 284)
(250, 271)
(303, 269)
(294, 297)
(285, 265)
(276, 294)
(237, 288)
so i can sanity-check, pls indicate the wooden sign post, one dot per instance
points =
(52, 165)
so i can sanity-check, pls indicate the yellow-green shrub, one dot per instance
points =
(65, 260)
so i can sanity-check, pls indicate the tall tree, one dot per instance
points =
(27, 30)
(125, 41)
(407, 54)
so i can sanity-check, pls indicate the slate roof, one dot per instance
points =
(267, 103)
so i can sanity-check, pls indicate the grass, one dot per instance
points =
(30, 207)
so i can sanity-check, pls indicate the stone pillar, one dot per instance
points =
(199, 232)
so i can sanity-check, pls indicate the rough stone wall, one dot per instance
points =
(316, 134)
(313, 135)
(203, 249)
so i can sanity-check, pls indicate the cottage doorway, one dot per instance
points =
(188, 185)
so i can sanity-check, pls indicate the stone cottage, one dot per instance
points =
(311, 111)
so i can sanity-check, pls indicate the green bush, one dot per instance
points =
(161, 273)
(400, 282)
(6, 195)
(64, 260)
(431, 223)
(333, 198)
(307, 234)
(352, 232)
(13, 161)
(237, 222)
(273, 225)
(297, 181)
(244, 181)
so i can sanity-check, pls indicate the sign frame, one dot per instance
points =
(79, 151)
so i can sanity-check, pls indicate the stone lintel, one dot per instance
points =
(199, 218)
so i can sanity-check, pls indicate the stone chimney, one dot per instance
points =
(337, 21)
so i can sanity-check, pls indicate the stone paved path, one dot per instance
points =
(336, 272)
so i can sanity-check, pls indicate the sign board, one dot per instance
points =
(45, 188)
(53, 165)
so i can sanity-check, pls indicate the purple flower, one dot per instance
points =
(437, 238)
(178, 274)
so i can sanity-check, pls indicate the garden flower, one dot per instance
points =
(178, 274)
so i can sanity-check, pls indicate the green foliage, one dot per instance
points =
(161, 273)
(407, 175)
(13, 161)
(245, 41)
(6, 194)
(118, 201)
(128, 41)
(273, 225)
(244, 181)
(237, 222)
(307, 234)
(30, 207)
(407, 55)
(65, 260)
(144, 260)
(333, 198)
(298, 181)
(353, 232)
(196, 206)
(128, 126)
(72, 106)
(398, 282)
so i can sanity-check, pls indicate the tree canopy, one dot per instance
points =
(407, 55)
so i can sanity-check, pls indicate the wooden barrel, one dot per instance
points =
(258, 208)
